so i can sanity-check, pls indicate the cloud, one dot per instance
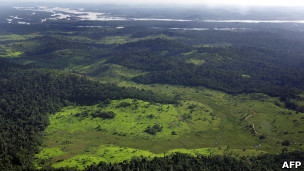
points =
(181, 2)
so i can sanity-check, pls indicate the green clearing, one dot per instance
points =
(272, 120)
(15, 45)
(109, 72)
(212, 45)
(245, 76)
(195, 61)
(189, 53)
(17, 37)
(115, 39)
(77, 133)
(216, 126)
(9, 52)
(132, 121)
(46, 154)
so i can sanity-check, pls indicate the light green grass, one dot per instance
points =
(86, 140)
(133, 120)
(11, 54)
(245, 76)
(115, 154)
(190, 53)
(115, 39)
(8, 51)
(79, 161)
(17, 37)
(46, 153)
(108, 72)
(271, 120)
(196, 61)
(80, 136)
(215, 45)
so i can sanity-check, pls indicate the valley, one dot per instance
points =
(116, 88)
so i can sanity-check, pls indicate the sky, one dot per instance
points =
(181, 2)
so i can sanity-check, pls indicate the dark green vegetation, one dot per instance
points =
(73, 96)
(28, 96)
(185, 162)
(154, 129)
(224, 68)
(104, 115)
(264, 62)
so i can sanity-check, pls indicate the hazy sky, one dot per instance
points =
(206, 2)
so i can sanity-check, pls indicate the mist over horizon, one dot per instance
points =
(220, 9)
(189, 3)
(174, 11)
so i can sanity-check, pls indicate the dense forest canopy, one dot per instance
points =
(165, 69)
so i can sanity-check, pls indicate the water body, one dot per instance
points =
(254, 21)
(67, 13)
(22, 22)
(79, 13)
(204, 29)
(119, 27)
(198, 29)
(159, 19)
(59, 13)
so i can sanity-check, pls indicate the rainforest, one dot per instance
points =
(114, 87)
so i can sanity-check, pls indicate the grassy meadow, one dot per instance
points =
(204, 122)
